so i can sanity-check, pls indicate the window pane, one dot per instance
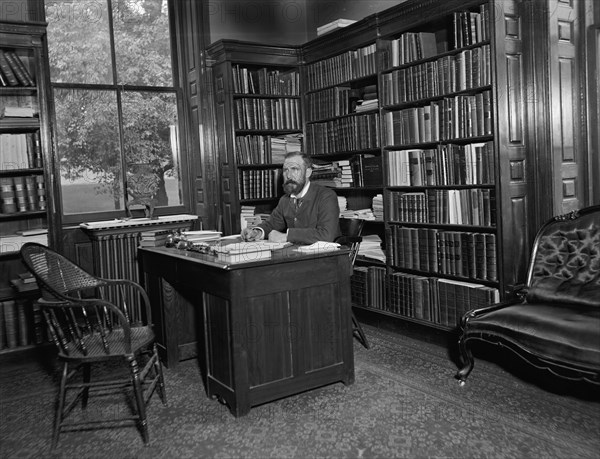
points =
(142, 43)
(88, 150)
(79, 42)
(152, 140)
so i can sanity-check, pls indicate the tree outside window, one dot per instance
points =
(115, 100)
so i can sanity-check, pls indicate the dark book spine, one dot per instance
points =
(7, 70)
(19, 69)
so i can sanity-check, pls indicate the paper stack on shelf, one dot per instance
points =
(370, 247)
(378, 207)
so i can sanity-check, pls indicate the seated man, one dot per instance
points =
(307, 212)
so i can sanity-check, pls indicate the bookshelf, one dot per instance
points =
(259, 118)
(342, 119)
(449, 124)
(26, 180)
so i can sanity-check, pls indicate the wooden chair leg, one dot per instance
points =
(87, 372)
(58, 417)
(161, 380)
(139, 398)
(358, 332)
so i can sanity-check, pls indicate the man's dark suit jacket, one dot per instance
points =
(315, 219)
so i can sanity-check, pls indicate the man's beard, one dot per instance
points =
(293, 187)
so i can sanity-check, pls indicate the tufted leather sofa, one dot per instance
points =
(554, 324)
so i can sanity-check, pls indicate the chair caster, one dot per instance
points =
(461, 382)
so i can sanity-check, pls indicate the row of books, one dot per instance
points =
(448, 164)
(412, 46)
(22, 194)
(471, 27)
(460, 117)
(344, 67)
(470, 206)
(281, 113)
(13, 71)
(265, 149)
(468, 28)
(339, 101)
(351, 133)
(20, 151)
(21, 324)
(469, 69)
(259, 183)
(265, 81)
(437, 300)
(455, 253)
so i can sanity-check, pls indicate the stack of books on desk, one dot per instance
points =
(201, 235)
(154, 238)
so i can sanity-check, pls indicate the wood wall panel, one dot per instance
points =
(514, 235)
(568, 133)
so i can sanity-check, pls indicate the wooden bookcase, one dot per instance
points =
(452, 121)
(27, 210)
(341, 96)
(258, 105)
(449, 133)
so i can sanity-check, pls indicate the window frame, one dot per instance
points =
(119, 89)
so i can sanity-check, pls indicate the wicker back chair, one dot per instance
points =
(93, 320)
(351, 236)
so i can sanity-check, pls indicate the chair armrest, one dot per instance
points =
(484, 310)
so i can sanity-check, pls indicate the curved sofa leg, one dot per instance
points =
(467, 360)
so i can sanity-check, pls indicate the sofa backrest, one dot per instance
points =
(565, 266)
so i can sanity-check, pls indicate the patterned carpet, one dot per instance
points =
(405, 403)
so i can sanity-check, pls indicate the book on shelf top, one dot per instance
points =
(334, 25)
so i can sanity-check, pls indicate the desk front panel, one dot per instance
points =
(262, 332)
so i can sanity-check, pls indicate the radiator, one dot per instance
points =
(114, 248)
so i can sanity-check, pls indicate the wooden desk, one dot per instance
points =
(261, 330)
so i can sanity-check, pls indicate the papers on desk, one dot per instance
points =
(250, 247)
(319, 247)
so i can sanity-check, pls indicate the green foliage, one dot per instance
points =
(89, 140)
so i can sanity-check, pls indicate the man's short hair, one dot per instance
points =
(305, 158)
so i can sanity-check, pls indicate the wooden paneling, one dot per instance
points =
(514, 203)
(567, 91)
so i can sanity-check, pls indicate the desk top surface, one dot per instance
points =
(284, 255)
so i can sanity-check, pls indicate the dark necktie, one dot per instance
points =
(296, 203)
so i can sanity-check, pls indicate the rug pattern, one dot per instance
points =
(405, 402)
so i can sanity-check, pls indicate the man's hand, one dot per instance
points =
(276, 236)
(251, 234)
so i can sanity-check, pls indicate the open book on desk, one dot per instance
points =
(245, 252)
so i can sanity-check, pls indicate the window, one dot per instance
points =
(116, 104)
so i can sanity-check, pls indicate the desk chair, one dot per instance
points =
(87, 329)
(351, 231)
